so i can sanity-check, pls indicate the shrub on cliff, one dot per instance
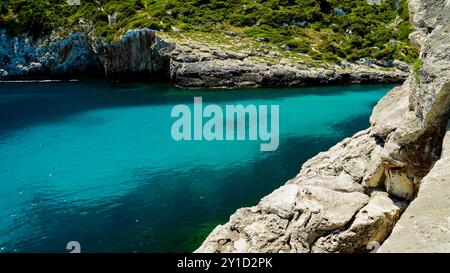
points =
(357, 30)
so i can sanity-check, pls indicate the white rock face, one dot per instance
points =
(388, 113)
(372, 225)
(425, 225)
(281, 202)
(343, 183)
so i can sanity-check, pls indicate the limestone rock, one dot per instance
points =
(372, 224)
(281, 202)
(425, 225)
(336, 208)
(388, 113)
(222, 69)
(343, 182)
(316, 211)
(135, 53)
(375, 175)
(399, 184)
(356, 167)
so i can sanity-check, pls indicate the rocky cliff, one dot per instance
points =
(60, 56)
(349, 198)
(138, 52)
(186, 62)
(194, 64)
(79, 54)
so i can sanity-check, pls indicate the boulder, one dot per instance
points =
(372, 225)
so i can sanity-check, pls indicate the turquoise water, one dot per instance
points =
(95, 162)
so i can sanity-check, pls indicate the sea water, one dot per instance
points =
(95, 163)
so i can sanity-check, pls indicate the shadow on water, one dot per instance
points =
(347, 129)
(170, 211)
(28, 104)
(166, 212)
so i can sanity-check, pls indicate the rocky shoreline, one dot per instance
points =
(237, 73)
(343, 200)
(145, 53)
(350, 198)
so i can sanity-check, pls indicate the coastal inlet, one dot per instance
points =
(95, 163)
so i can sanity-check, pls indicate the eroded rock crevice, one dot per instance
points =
(424, 227)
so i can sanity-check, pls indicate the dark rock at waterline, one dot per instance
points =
(137, 52)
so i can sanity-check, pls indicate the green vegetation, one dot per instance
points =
(417, 65)
(325, 29)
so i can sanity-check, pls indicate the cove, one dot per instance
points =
(95, 163)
